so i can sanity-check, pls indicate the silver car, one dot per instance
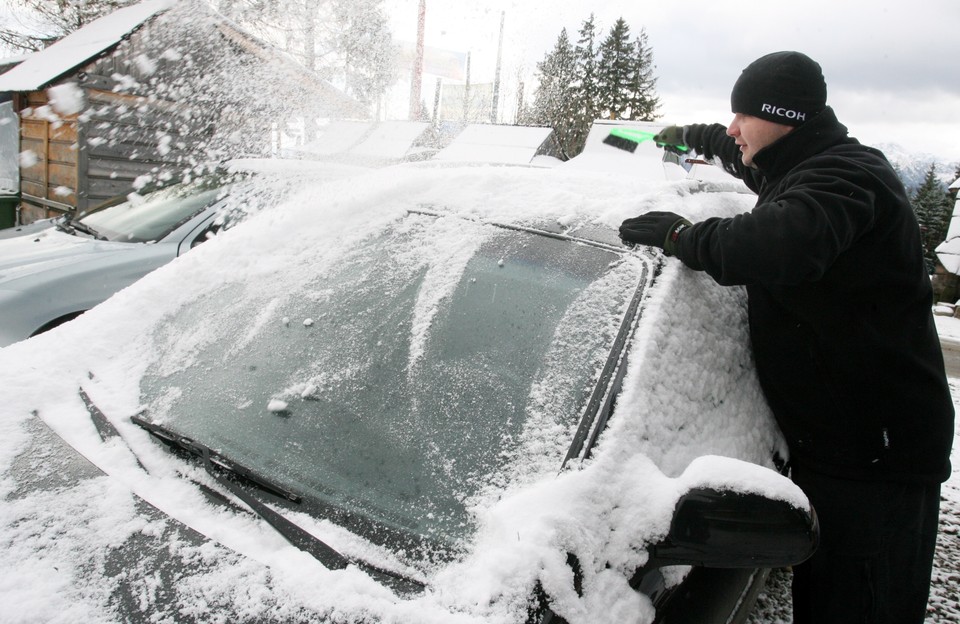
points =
(56, 270)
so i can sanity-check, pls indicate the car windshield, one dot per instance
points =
(425, 368)
(150, 217)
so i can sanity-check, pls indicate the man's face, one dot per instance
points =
(753, 134)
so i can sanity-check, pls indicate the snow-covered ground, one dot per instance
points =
(773, 606)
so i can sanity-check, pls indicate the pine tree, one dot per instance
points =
(583, 83)
(616, 70)
(586, 96)
(554, 101)
(644, 102)
(363, 49)
(933, 207)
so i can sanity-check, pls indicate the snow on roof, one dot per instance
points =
(390, 139)
(487, 143)
(15, 60)
(337, 137)
(956, 185)
(40, 69)
(953, 231)
(948, 253)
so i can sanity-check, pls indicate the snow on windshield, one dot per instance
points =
(689, 397)
(408, 382)
(452, 253)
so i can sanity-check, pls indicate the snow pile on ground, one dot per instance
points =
(689, 393)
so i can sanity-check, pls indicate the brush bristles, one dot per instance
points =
(621, 143)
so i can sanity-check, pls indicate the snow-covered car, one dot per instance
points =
(30, 228)
(54, 270)
(437, 394)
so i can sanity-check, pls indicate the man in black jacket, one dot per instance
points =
(842, 333)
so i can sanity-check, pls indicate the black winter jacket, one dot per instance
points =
(839, 302)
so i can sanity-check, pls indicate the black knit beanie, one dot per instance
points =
(783, 87)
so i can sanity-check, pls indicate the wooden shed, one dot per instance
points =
(144, 94)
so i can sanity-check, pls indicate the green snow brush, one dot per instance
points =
(628, 139)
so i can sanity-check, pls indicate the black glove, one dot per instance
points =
(671, 139)
(656, 229)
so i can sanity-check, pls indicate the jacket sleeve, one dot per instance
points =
(713, 143)
(792, 238)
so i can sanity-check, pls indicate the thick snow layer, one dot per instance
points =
(690, 415)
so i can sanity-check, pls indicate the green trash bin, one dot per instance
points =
(8, 210)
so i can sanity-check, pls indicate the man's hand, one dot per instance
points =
(656, 229)
(671, 139)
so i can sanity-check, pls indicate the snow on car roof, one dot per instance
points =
(642, 459)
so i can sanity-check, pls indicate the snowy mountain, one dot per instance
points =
(913, 166)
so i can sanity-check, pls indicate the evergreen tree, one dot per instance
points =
(582, 83)
(362, 48)
(644, 102)
(555, 96)
(587, 93)
(616, 72)
(933, 207)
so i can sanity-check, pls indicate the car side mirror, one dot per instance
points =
(723, 529)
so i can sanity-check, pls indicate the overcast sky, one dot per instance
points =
(891, 66)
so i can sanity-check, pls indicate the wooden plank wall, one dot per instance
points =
(50, 185)
(125, 137)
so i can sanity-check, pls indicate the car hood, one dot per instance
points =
(152, 563)
(26, 230)
(24, 256)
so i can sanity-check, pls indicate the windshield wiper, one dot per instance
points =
(64, 226)
(216, 464)
(70, 226)
(86, 229)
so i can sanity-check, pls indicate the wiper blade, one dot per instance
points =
(215, 464)
(64, 226)
(193, 447)
(86, 229)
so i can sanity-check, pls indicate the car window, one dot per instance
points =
(150, 217)
(421, 370)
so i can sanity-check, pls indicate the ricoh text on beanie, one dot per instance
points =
(783, 87)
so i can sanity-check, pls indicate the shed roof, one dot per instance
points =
(79, 47)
